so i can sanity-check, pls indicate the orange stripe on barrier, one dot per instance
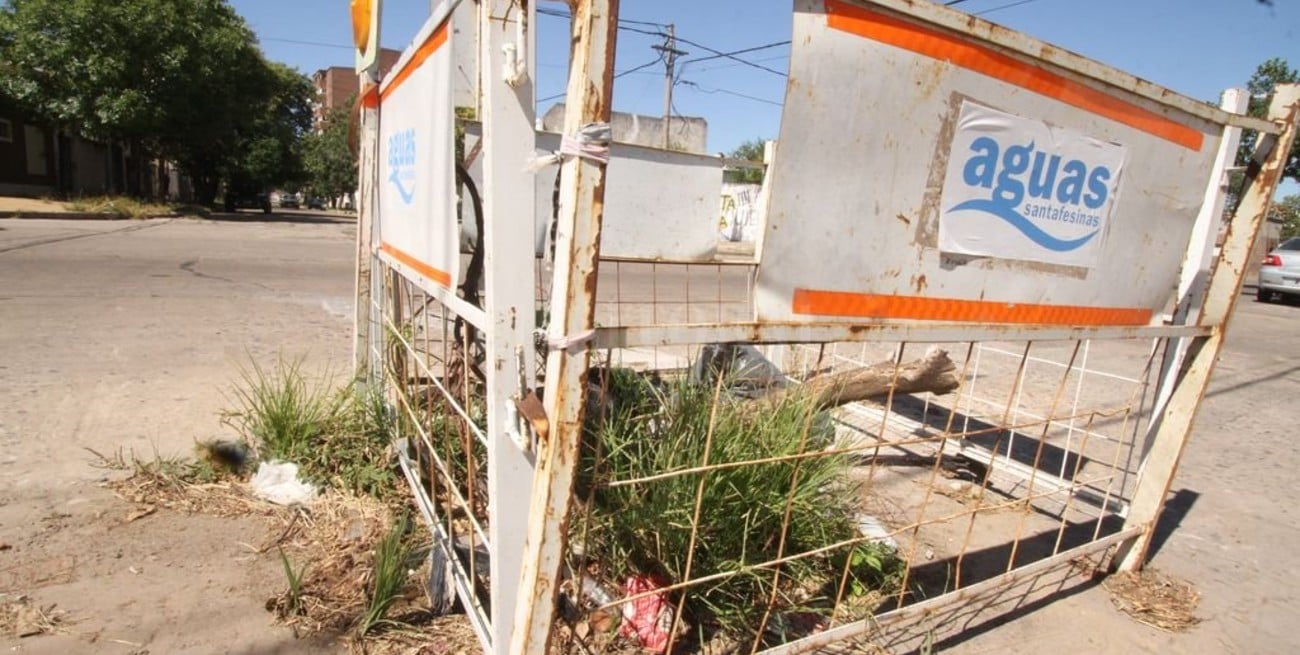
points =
(370, 96)
(435, 274)
(953, 49)
(425, 50)
(868, 305)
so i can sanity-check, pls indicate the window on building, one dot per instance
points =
(6, 131)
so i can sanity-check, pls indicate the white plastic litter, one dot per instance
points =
(278, 482)
(872, 527)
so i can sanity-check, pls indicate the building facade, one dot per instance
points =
(337, 85)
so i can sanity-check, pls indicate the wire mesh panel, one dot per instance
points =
(758, 497)
(432, 367)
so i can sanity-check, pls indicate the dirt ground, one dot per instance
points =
(126, 335)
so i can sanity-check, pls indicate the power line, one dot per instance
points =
(1006, 6)
(314, 43)
(733, 64)
(728, 55)
(738, 52)
(717, 54)
(564, 14)
(730, 93)
(616, 76)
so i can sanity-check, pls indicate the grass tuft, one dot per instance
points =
(337, 437)
(645, 528)
(391, 555)
(123, 207)
(293, 597)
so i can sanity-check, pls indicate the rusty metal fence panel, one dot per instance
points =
(864, 431)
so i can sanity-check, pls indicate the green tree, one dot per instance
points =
(751, 150)
(269, 150)
(180, 79)
(331, 166)
(1287, 212)
(1269, 74)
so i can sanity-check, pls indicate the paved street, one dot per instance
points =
(125, 335)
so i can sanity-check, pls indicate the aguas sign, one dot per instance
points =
(1019, 188)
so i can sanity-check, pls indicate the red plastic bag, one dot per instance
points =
(648, 620)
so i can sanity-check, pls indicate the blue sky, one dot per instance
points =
(1195, 47)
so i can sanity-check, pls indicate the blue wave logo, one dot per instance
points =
(1034, 190)
(406, 195)
(401, 162)
(1024, 225)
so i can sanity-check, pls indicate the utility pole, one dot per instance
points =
(670, 53)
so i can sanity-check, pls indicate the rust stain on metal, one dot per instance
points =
(952, 261)
(927, 223)
(930, 81)
(530, 407)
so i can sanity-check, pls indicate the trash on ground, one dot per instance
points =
(649, 619)
(872, 528)
(278, 483)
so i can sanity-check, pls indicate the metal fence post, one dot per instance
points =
(506, 111)
(367, 206)
(572, 316)
(1194, 277)
(1174, 424)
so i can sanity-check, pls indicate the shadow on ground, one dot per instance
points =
(282, 216)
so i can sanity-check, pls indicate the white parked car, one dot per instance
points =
(1279, 274)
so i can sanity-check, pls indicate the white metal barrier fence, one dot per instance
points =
(952, 368)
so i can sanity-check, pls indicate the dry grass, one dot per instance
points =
(20, 618)
(124, 207)
(443, 635)
(189, 486)
(330, 546)
(1155, 599)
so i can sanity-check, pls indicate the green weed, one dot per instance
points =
(293, 600)
(645, 528)
(391, 556)
(337, 437)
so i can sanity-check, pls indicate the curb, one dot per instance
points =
(78, 216)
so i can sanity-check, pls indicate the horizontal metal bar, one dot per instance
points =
(742, 164)
(676, 262)
(779, 333)
(1051, 362)
(934, 605)
(447, 297)
(428, 372)
(445, 470)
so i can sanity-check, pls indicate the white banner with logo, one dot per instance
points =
(417, 200)
(1018, 188)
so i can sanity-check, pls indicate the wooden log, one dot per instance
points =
(934, 373)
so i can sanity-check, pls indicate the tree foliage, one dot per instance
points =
(1287, 212)
(1269, 74)
(751, 150)
(331, 166)
(269, 150)
(181, 79)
